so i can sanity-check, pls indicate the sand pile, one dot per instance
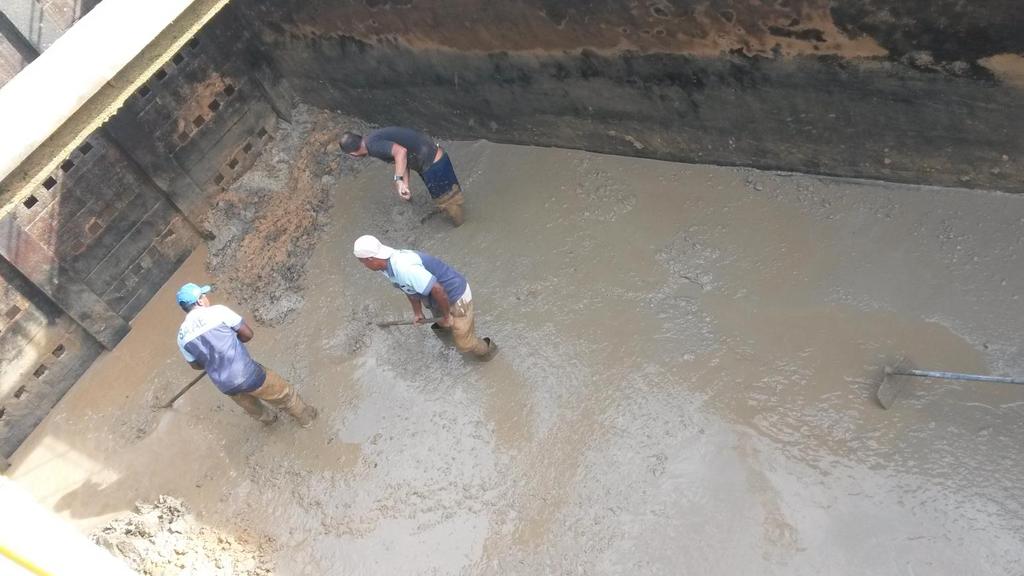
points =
(164, 539)
(267, 222)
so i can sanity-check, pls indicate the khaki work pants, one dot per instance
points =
(463, 332)
(277, 392)
(451, 204)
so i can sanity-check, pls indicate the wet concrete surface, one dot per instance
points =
(685, 384)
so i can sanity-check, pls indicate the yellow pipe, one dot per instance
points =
(26, 564)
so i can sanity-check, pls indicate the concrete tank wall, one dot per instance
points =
(923, 91)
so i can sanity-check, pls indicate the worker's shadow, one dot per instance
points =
(90, 499)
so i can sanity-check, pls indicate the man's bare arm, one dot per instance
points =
(417, 307)
(401, 156)
(440, 298)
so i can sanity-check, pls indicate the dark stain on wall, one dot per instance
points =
(559, 11)
(948, 29)
(867, 88)
(700, 28)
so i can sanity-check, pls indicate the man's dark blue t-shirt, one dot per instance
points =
(421, 148)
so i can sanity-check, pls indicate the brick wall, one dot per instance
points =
(201, 120)
(42, 352)
(91, 245)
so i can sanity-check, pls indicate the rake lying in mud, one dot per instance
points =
(894, 381)
(391, 323)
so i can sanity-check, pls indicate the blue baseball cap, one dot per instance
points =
(191, 293)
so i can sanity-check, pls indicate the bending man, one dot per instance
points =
(411, 150)
(427, 280)
(212, 338)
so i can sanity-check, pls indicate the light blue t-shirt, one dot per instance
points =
(415, 273)
(208, 335)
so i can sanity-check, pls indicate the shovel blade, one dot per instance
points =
(889, 389)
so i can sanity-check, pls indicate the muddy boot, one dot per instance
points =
(296, 407)
(254, 407)
(455, 214)
(492, 349)
(306, 417)
(443, 334)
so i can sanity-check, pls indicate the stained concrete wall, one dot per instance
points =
(42, 352)
(921, 91)
(82, 255)
(28, 27)
(202, 119)
(15, 50)
(90, 246)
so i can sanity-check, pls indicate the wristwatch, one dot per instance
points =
(398, 178)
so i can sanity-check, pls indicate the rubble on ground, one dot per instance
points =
(164, 539)
(267, 222)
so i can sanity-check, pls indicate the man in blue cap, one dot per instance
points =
(211, 338)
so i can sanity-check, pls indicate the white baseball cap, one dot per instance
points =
(369, 247)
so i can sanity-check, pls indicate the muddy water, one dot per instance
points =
(688, 358)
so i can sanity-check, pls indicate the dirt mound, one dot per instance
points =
(267, 222)
(164, 539)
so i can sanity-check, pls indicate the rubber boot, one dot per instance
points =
(255, 408)
(443, 334)
(455, 214)
(306, 417)
(296, 407)
(492, 350)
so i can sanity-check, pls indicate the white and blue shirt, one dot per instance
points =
(416, 273)
(209, 335)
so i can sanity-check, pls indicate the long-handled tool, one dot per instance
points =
(391, 323)
(892, 384)
(188, 387)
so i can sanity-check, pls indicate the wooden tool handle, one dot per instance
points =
(391, 323)
(183, 390)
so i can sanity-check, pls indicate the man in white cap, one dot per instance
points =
(211, 338)
(428, 280)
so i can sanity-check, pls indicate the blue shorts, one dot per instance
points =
(440, 177)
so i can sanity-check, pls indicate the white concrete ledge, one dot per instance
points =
(54, 86)
(80, 68)
(34, 540)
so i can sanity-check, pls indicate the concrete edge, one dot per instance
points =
(68, 121)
